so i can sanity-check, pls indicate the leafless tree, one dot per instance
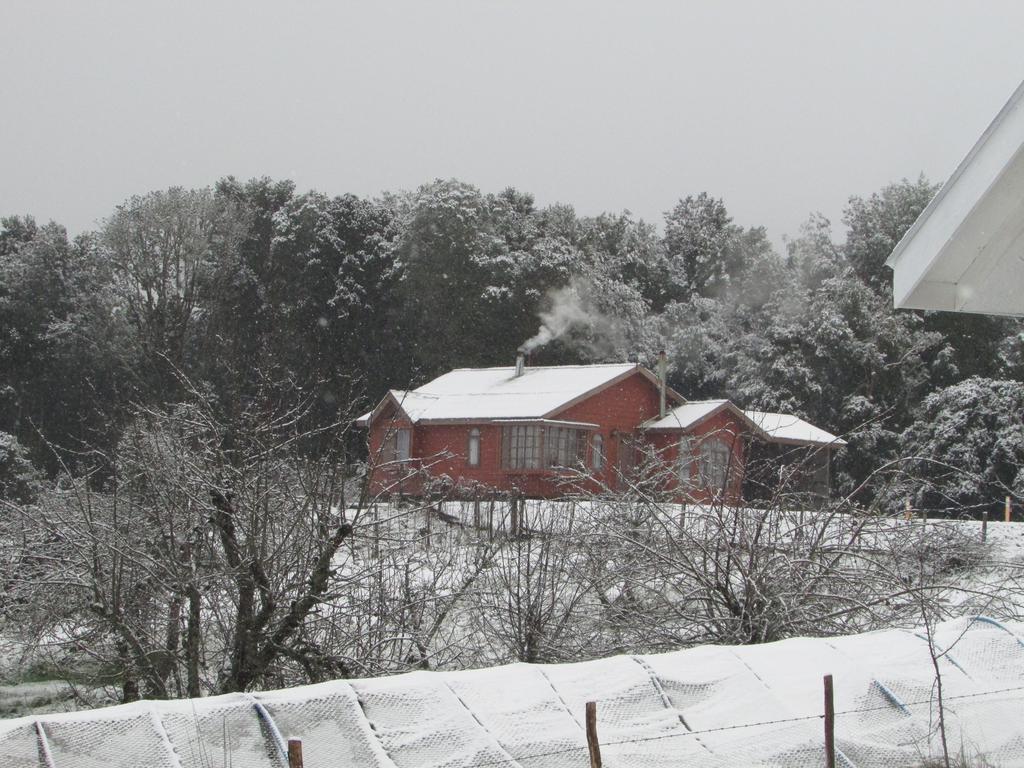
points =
(532, 602)
(196, 566)
(727, 573)
(226, 554)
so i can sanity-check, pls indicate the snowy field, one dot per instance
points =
(708, 706)
(559, 516)
(747, 705)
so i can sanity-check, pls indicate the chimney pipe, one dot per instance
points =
(662, 375)
(520, 363)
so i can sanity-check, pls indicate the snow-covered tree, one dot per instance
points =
(702, 246)
(966, 447)
(170, 251)
(877, 223)
(20, 480)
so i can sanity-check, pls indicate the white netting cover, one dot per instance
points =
(709, 706)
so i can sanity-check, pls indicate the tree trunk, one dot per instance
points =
(192, 641)
(129, 681)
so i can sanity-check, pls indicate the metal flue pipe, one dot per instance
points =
(662, 376)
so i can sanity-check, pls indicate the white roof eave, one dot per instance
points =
(961, 254)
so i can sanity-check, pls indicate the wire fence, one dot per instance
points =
(713, 707)
(517, 759)
(807, 750)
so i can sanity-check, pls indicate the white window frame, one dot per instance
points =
(714, 473)
(521, 446)
(684, 459)
(402, 444)
(473, 448)
(540, 446)
(564, 447)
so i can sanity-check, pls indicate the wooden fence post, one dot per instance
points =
(830, 724)
(592, 743)
(908, 512)
(984, 525)
(294, 753)
(490, 519)
(1008, 509)
(376, 532)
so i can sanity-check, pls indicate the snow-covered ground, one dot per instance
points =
(710, 706)
(1007, 538)
(37, 696)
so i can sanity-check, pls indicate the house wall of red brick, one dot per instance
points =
(441, 450)
(619, 410)
(444, 451)
(724, 426)
(387, 475)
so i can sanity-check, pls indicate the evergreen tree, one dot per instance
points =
(966, 448)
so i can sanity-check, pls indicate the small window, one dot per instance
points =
(396, 445)
(627, 456)
(473, 453)
(597, 453)
(715, 458)
(402, 438)
(685, 459)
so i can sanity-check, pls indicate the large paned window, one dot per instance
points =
(564, 447)
(521, 446)
(715, 457)
(535, 446)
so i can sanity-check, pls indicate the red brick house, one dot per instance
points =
(549, 431)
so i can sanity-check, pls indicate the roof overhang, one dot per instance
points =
(667, 424)
(965, 252)
(549, 423)
(394, 397)
(774, 426)
(830, 444)
(725, 405)
(756, 430)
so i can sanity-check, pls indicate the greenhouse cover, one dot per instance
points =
(757, 705)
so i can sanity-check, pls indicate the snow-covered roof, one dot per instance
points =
(713, 706)
(787, 428)
(497, 394)
(687, 415)
(963, 252)
(774, 427)
(475, 394)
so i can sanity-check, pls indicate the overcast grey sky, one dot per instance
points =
(781, 108)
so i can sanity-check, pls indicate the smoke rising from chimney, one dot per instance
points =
(572, 308)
